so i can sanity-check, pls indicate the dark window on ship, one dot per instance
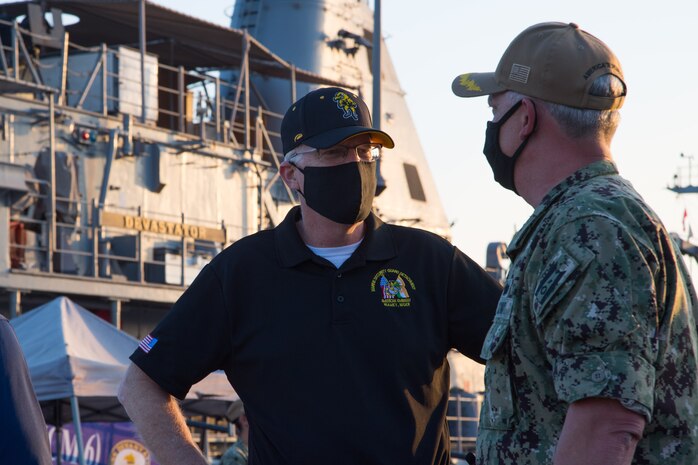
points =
(414, 183)
(368, 35)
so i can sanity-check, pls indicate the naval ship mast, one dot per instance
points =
(683, 186)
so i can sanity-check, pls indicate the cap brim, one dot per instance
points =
(235, 410)
(335, 136)
(475, 85)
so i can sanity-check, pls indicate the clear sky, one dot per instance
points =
(431, 42)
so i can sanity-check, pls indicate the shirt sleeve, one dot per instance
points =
(192, 340)
(472, 300)
(595, 302)
(22, 428)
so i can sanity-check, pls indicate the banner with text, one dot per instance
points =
(104, 443)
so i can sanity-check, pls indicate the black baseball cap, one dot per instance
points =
(325, 117)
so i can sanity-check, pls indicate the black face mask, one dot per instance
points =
(342, 193)
(502, 165)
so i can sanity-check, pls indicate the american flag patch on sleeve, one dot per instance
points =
(148, 343)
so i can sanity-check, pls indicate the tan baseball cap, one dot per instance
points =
(556, 62)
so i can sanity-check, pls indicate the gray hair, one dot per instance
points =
(298, 152)
(577, 122)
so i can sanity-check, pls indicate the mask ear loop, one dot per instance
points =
(521, 147)
(302, 171)
(509, 112)
(296, 167)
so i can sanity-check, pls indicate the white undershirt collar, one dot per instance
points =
(335, 255)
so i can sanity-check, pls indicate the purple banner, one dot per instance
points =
(104, 444)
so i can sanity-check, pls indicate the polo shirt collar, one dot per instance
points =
(579, 177)
(289, 245)
(377, 244)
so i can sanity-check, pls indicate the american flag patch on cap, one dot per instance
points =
(147, 343)
(519, 73)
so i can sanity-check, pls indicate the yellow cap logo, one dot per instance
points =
(347, 105)
(298, 137)
(468, 83)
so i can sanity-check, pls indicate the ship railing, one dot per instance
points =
(83, 245)
(17, 64)
(190, 102)
(462, 419)
(26, 255)
(186, 101)
(194, 102)
(153, 258)
(39, 244)
(273, 191)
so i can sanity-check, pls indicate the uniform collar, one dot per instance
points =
(599, 168)
(377, 244)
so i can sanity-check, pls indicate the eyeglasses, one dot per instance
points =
(339, 153)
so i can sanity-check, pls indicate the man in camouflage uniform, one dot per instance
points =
(592, 357)
(238, 453)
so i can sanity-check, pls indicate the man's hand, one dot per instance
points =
(158, 419)
(599, 431)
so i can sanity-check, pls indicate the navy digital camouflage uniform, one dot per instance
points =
(597, 303)
(236, 454)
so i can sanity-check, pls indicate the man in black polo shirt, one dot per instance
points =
(333, 327)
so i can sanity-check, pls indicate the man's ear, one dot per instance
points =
(289, 174)
(529, 118)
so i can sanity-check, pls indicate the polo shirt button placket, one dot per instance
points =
(341, 306)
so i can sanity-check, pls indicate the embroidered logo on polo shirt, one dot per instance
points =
(395, 287)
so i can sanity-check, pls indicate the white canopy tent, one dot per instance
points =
(77, 360)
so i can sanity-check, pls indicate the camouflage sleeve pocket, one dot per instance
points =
(614, 375)
(558, 277)
(498, 410)
(499, 330)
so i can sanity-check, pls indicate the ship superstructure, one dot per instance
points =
(115, 203)
(119, 204)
